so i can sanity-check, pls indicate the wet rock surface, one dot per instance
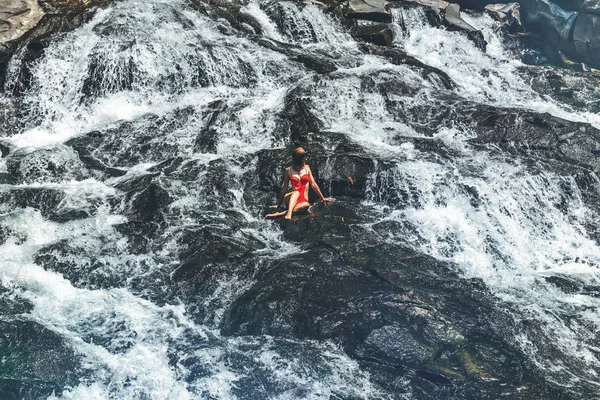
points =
(172, 203)
(35, 362)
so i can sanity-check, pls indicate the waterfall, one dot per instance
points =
(159, 105)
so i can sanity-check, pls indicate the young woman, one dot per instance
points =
(300, 176)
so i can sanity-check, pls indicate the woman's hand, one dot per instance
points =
(328, 199)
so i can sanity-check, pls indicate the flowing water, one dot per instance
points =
(146, 75)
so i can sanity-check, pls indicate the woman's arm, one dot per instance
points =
(313, 184)
(284, 186)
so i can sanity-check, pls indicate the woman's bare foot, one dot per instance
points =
(275, 215)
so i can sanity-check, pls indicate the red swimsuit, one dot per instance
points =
(299, 184)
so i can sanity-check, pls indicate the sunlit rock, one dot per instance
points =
(372, 10)
(508, 14)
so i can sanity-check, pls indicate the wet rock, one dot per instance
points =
(453, 21)
(11, 303)
(43, 199)
(533, 57)
(133, 142)
(35, 362)
(370, 10)
(591, 6)
(315, 62)
(229, 11)
(586, 38)
(208, 137)
(392, 309)
(381, 35)
(542, 134)
(41, 21)
(46, 165)
(577, 89)
(508, 14)
(144, 198)
(398, 56)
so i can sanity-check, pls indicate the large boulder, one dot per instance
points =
(371, 10)
(508, 14)
(380, 34)
(17, 17)
(586, 38)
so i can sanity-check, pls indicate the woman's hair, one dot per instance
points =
(299, 160)
(298, 156)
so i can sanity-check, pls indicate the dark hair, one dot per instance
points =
(298, 159)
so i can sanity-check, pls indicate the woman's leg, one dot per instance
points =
(286, 199)
(292, 203)
(301, 206)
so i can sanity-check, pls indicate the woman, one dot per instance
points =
(299, 175)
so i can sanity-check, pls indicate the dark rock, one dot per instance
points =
(132, 142)
(43, 199)
(542, 134)
(229, 11)
(11, 303)
(35, 361)
(453, 21)
(144, 198)
(46, 165)
(378, 302)
(208, 138)
(591, 6)
(370, 10)
(381, 35)
(399, 57)
(533, 57)
(586, 38)
(316, 62)
(508, 14)
(577, 89)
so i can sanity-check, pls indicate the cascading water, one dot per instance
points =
(144, 136)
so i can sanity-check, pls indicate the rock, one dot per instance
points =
(440, 13)
(591, 6)
(377, 302)
(41, 21)
(132, 142)
(370, 10)
(17, 17)
(542, 134)
(46, 165)
(381, 35)
(35, 361)
(586, 38)
(508, 14)
(399, 57)
(315, 62)
(42, 199)
(144, 198)
(454, 22)
(208, 137)
(533, 57)
(579, 90)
